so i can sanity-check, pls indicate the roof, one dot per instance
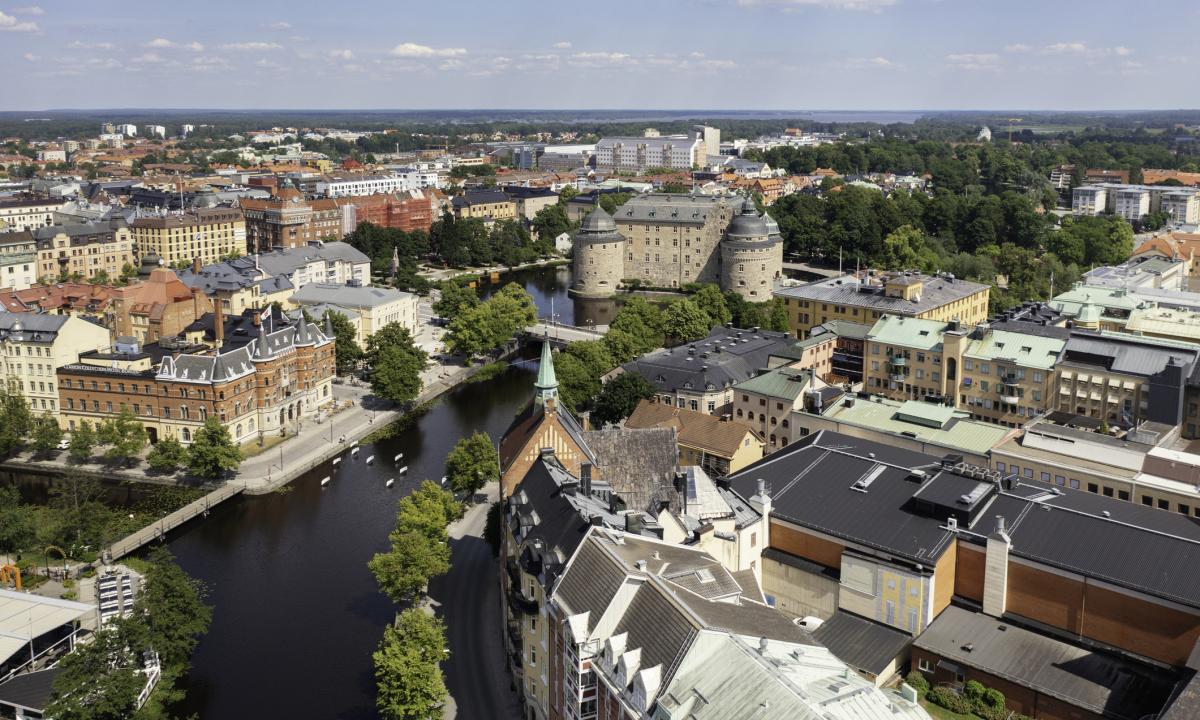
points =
(23, 615)
(349, 295)
(1023, 349)
(865, 645)
(724, 358)
(693, 428)
(937, 424)
(31, 691)
(31, 327)
(672, 208)
(1102, 683)
(908, 332)
(784, 383)
(638, 464)
(1126, 355)
(845, 290)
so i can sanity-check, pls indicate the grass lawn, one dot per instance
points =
(250, 449)
(940, 713)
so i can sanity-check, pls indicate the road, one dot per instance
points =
(467, 599)
(568, 333)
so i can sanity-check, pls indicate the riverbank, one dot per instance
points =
(442, 274)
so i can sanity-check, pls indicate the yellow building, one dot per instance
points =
(870, 297)
(487, 205)
(88, 251)
(180, 238)
(33, 346)
(719, 446)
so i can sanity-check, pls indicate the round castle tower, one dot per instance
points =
(599, 261)
(751, 254)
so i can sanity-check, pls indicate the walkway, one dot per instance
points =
(164, 525)
(565, 333)
(813, 269)
(468, 600)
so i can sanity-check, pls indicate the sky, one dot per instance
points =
(649, 54)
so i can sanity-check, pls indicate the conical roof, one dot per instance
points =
(546, 379)
(598, 221)
(748, 223)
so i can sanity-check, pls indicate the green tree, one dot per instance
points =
(550, 222)
(777, 316)
(711, 300)
(171, 603)
(408, 675)
(347, 352)
(125, 436)
(396, 363)
(18, 420)
(213, 452)
(566, 193)
(642, 321)
(495, 322)
(620, 398)
(46, 436)
(18, 526)
(577, 385)
(902, 248)
(622, 347)
(168, 455)
(455, 298)
(472, 464)
(685, 321)
(82, 442)
(593, 354)
(405, 570)
(100, 680)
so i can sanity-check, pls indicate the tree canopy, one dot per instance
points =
(492, 323)
(620, 398)
(346, 350)
(420, 548)
(396, 363)
(472, 463)
(213, 452)
(408, 673)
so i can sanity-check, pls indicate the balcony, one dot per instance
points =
(518, 600)
(898, 361)
(896, 377)
(1009, 399)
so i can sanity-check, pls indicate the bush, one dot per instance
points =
(917, 682)
(950, 700)
(993, 698)
(973, 691)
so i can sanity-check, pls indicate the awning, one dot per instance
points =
(24, 616)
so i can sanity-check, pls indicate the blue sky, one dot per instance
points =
(727, 54)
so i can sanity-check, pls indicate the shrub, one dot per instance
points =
(949, 699)
(993, 698)
(973, 690)
(918, 682)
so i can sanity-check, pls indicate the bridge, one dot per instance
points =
(158, 529)
(810, 269)
(560, 334)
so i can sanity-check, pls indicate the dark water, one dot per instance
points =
(548, 286)
(297, 614)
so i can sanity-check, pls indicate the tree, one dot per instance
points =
(82, 442)
(550, 222)
(100, 680)
(168, 455)
(622, 347)
(710, 299)
(124, 435)
(902, 249)
(493, 323)
(18, 529)
(46, 435)
(642, 321)
(593, 354)
(396, 363)
(405, 570)
(347, 352)
(408, 675)
(456, 298)
(472, 464)
(577, 385)
(18, 420)
(777, 316)
(212, 452)
(620, 397)
(685, 321)
(172, 605)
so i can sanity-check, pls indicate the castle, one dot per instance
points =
(669, 240)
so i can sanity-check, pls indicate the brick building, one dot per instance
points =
(408, 211)
(288, 220)
(270, 385)
(158, 307)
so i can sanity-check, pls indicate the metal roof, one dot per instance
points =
(864, 644)
(24, 617)
(846, 290)
(1023, 349)
(784, 383)
(908, 332)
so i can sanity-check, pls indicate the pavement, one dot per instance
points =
(468, 600)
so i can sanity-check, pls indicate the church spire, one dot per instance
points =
(546, 385)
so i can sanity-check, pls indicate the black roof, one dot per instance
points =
(30, 690)
(724, 358)
(864, 644)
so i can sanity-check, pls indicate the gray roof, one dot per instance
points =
(1104, 683)
(726, 357)
(670, 208)
(272, 270)
(1185, 705)
(590, 583)
(845, 290)
(29, 690)
(479, 197)
(638, 464)
(285, 262)
(657, 627)
(863, 644)
(31, 327)
(236, 363)
(598, 221)
(348, 295)
(1126, 355)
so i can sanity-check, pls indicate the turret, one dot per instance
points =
(599, 256)
(751, 254)
(545, 396)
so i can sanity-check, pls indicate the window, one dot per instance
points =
(924, 665)
(1184, 509)
(1001, 467)
(1060, 480)
(1074, 484)
(1164, 504)
(1093, 488)
(1029, 473)
(1106, 491)
(1147, 500)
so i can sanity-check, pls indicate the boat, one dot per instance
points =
(370, 459)
(397, 458)
(390, 482)
(336, 461)
(324, 481)
(404, 470)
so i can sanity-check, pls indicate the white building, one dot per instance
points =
(18, 261)
(127, 130)
(113, 140)
(400, 181)
(635, 154)
(1182, 205)
(367, 308)
(156, 131)
(1133, 202)
(33, 346)
(1089, 200)
(187, 130)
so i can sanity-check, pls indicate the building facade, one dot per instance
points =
(180, 237)
(86, 251)
(34, 346)
(27, 213)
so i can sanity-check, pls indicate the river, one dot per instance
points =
(296, 612)
(548, 286)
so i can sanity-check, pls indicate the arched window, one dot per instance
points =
(772, 439)
(239, 430)
(186, 435)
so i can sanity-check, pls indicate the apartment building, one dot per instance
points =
(719, 446)
(1181, 206)
(904, 358)
(18, 260)
(368, 308)
(766, 402)
(1134, 202)
(355, 185)
(159, 306)
(636, 154)
(210, 234)
(954, 556)
(66, 298)
(289, 220)
(867, 298)
(1089, 200)
(34, 346)
(408, 211)
(1006, 376)
(487, 205)
(270, 385)
(86, 251)
(28, 213)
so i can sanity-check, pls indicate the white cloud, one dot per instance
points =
(79, 45)
(602, 59)
(1018, 48)
(870, 62)
(973, 61)
(30, 57)
(195, 47)
(341, 54)
(1122, 50)
(8, 23)
(1074, 48)
(160, 43)
(563, 45)
(149, 58)
(413, 50)
(281, 25)
(450, 64)
(793, 5)
(28, 10)
(252, 46)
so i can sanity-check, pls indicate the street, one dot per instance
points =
(467, 600)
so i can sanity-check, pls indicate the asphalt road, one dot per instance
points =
(467, 599)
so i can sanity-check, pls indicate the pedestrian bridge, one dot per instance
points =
(560, 334)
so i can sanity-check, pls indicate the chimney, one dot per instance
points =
(585, 478)
(995, 570)
(633, 522)
(196, 265)
(218, 324)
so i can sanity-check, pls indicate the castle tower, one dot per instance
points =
(599, 256)
(751, 254)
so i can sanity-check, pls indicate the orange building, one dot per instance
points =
(160, 306)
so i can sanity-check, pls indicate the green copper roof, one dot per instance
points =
(784, 383)
(545, 377)
(1025, 350)
(908, 332)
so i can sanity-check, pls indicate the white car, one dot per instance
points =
(64, 444)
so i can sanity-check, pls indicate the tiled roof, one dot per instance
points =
(695, 429)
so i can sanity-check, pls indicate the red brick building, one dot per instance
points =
(407, 211)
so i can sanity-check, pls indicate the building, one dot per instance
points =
(911, 544)
(1101, 176)
(210, 234)
(270, 385)
(1060, 177)
(1134, 202)
(1181, 206)
(87, 251)
(864, 300)
(67, 298)
(354, 185)
(637, 154)
(1089, 200)
(487, 205)
(33, 347)
(667, 240)
(370, 308)
(127, 130)
(530, 200)
(1149, 270)
(288, 220)
(719, 446)
(701, 375)
(160, 306)
(156, 131)
(18, 260)
(408, 211)
(766, 402)
(27, 212)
